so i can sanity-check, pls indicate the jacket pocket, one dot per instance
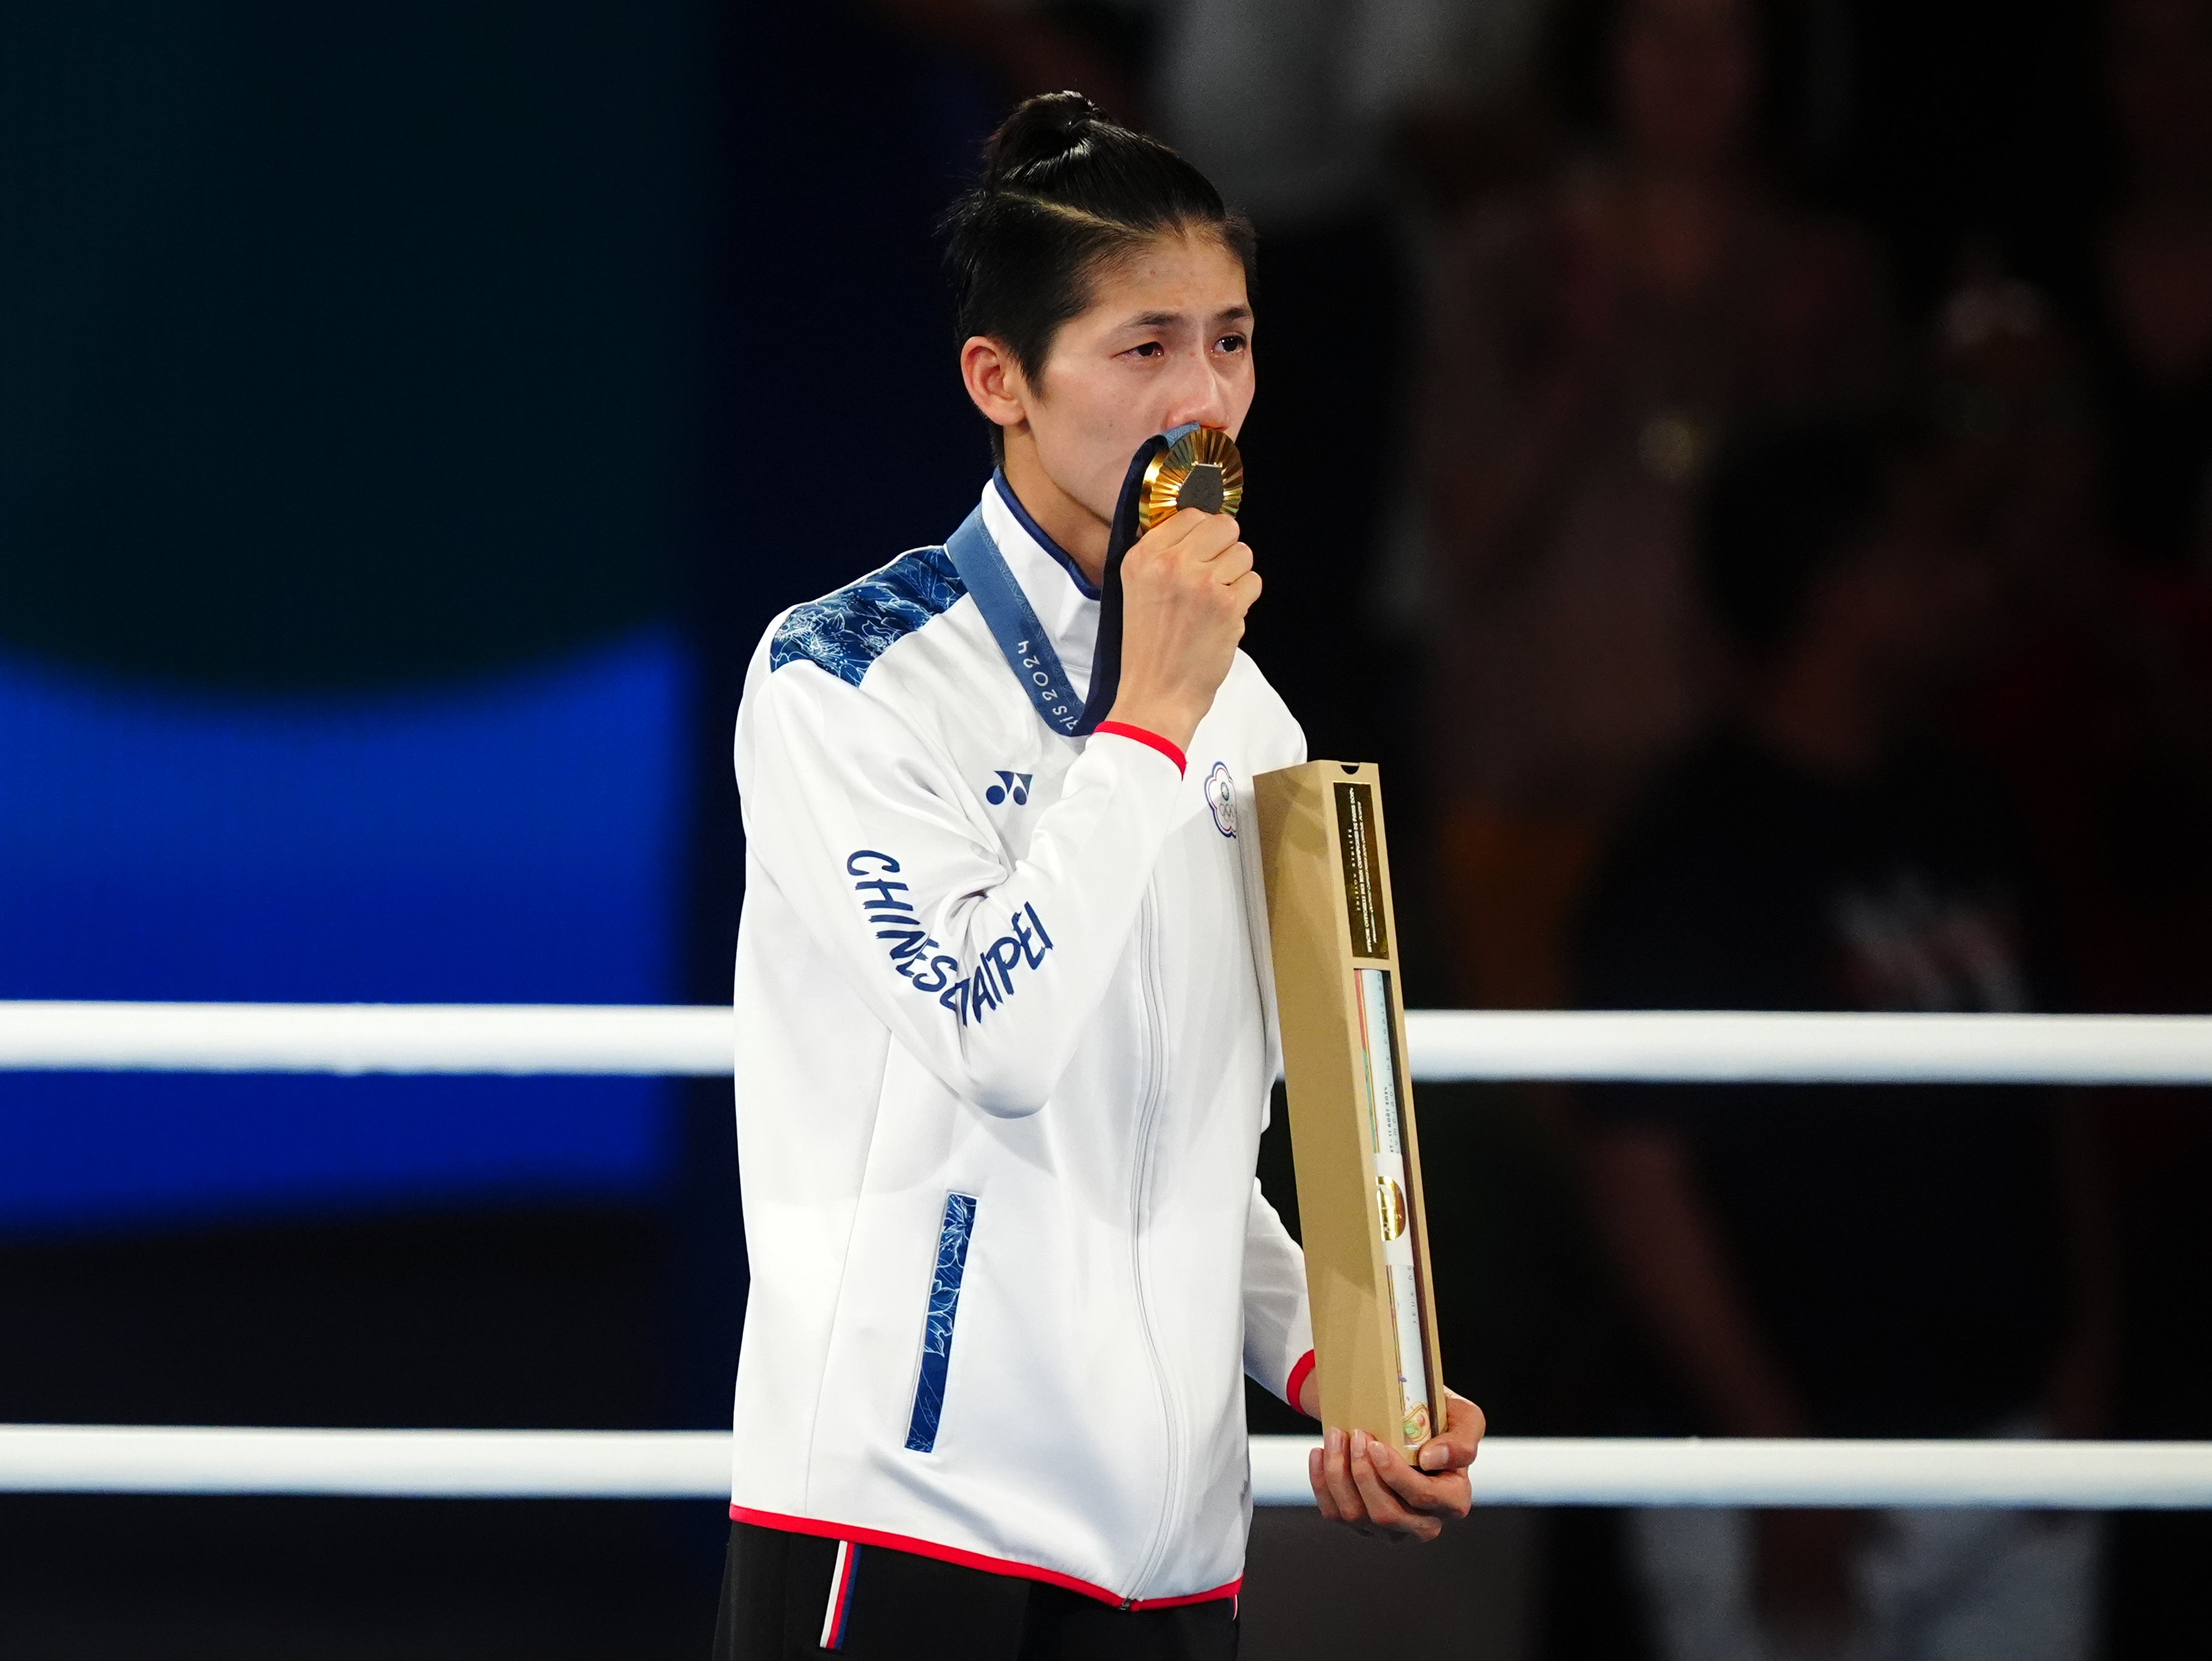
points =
(952, 1239)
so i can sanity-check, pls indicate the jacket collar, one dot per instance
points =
(1037, 535)
(1050, 580)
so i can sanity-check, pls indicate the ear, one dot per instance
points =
(994, 381)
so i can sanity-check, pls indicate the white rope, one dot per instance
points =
(1620, 1471)
(1446, 1044)
(696, 1465)
(1676, 1046)
(367, 1038)
(445, 1464)
(645, 1040)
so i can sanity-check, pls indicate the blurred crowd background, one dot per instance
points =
(1744, 467)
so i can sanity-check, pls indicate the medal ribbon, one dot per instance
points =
(1106, 661)
(1014, 626)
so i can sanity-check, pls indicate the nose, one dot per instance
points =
(1200, 394)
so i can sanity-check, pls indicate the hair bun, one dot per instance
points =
(1042, 129)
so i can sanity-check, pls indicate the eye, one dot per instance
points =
(1151, 349)
(1230, 343)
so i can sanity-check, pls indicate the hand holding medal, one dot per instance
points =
(1176, 586)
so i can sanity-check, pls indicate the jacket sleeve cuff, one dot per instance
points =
(1299, 1375)
(1172, 751)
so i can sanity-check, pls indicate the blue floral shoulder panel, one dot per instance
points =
(846, 632)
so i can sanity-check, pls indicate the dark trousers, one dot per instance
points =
(777, 1590)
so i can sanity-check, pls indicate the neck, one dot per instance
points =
(1075, 527)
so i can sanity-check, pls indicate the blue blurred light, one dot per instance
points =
(516, 841)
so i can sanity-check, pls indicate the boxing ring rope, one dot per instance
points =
(1446, 1045)
(688, 1465)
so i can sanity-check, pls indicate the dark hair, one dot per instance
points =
(1784, 504)
(1064, 192)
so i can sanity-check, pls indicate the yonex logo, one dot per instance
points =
(1016, 785)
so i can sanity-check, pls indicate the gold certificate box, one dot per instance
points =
(1352, 1113)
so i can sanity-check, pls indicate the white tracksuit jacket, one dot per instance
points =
(1004, 1046)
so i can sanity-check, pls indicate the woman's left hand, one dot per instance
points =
(1372, 1487)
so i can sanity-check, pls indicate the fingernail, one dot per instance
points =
(1334, 1438)
(1358, 1443)
(1435, 1457)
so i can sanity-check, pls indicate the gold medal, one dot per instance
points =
(1200, 470)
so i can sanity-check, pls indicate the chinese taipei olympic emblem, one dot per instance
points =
(1221, 797)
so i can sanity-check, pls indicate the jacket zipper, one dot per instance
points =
(1140, 1181)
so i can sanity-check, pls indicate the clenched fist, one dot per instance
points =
(1185, 589)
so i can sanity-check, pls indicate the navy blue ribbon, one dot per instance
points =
(1106, 661)
(1014, 626)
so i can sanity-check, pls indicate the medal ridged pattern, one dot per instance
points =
(1203, 446)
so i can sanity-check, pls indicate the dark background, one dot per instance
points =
(411, 418)
(408, 420)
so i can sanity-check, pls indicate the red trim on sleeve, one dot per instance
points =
(1123, 730)
(1298, 1375)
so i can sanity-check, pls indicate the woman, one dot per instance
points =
(1003, 1054)
(1595, 340)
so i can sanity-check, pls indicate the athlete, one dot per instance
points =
(1005, 1004)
